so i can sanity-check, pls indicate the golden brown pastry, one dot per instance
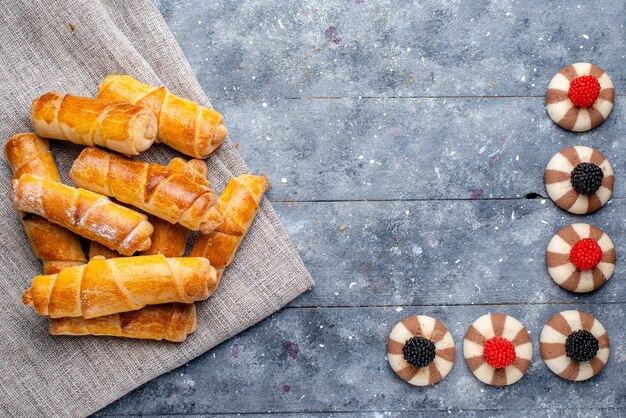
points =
(161, 191)
(167, 239)
(96, 249)
(104, 287)
(238, 205)
(183, 125)
(54, 245)
(121, 127)
(195, 169)
(85, 213)
(170, 322)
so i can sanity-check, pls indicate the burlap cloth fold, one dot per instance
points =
(70, 46)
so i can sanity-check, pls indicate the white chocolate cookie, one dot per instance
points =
(565, 273)
(484, 329)
(558, 180)
(430, 329)
(561, 109)
(553, 345)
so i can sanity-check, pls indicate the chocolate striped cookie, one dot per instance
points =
(579, 179)
(497, 349)
(580, 258)
(580, 97)
(420, 350)
(574, 345)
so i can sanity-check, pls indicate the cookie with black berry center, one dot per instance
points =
(580, 97)
(420, 350)
(574, 345)
(580, 258)
(497, 349)
(579, 179)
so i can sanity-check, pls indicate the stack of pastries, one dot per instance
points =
(137, 216)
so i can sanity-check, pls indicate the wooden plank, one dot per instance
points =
(317, 48)
(439, 253)
(333, 360)
(351, 149)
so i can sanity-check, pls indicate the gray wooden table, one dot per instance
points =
(420, 127)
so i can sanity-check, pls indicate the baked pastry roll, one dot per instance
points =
(118, 126)
(56, 246)
(170, 322)
(85, 213)
(183, 125)
(104, 287)
(153, 188)
(238, 205)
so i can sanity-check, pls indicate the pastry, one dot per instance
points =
(156, 189)
(121, 127)
(104, 287)
(194, 169)
(580, 258)
(56, 246)
(574, 345)
(170, 322)
(167, 239)
(580, 97)
(85, 213)
(420, 350)
(183, 125)
(238, 204)
(497, 349)
(579, 179)
(171, 239)
(98, 250)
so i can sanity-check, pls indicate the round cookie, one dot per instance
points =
(565, 273)
(569, 116)
(512, 344)
(574, 345)
(581, 168)
(427, 344)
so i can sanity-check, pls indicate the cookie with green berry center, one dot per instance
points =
(574, 345)
(420, 350)
(579, 179)
(580, 258)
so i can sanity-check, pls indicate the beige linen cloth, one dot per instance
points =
(70, 46)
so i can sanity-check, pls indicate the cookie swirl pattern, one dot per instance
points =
(558, 180)
(431, 329)
(568, 116)
(553, 341)
(497, 325)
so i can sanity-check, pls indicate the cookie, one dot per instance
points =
(574, 345)
(420, 350)
(579, 179)
(580, 97)
(497, 349)
(580, 258)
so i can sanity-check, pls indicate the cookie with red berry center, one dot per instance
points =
(580, 258)
(420, 350)
(497, 349)
(579, 179)
(580, 97)
(574, 345)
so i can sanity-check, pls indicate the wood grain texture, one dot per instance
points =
(399, 137)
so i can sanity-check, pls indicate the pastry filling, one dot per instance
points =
(419, 352)
(586, 254)
(587, 178)
(583, 91)
(581, 346)
(499, 352)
